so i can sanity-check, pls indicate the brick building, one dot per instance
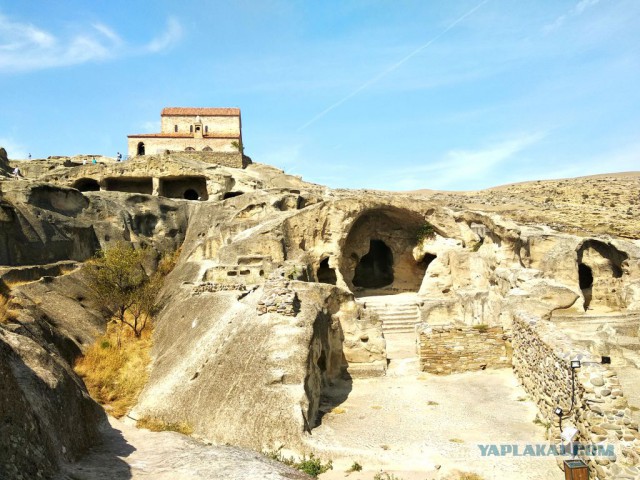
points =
(192, 129)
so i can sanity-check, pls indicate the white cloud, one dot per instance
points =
(578, 9)
(463, 166)
(26, 47)
(171, 36)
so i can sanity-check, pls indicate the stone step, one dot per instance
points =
(409, 318)
(398, 329)
(403, 308)
(398, 318)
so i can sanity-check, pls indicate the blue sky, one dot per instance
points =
(390, 95)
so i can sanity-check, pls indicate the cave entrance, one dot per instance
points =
(129, 184)
(585, 276)
(191, 194)
(585, 279)
(140, 148)
(426, 261)
(601, 267)
(231, 195)
(86, 185)
(188, 187)
(375, 269)
(325, 273)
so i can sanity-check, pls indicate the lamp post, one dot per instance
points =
(575, 364)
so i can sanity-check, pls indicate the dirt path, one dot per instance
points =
(419, 426)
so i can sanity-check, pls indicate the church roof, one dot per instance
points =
(184, 135)
(204, 112)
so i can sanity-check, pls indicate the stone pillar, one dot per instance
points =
(155, 182)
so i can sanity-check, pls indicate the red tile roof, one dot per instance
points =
(184, 135)
(204, 112)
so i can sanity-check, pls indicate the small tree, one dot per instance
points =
(120, 284)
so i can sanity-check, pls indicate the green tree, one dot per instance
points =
(122, 288)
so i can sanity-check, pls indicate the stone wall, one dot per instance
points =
(228, 125)
(157, 145)
(446, 349)
(542, 360)
(279, 298)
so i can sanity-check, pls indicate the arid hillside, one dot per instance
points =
(604, 204)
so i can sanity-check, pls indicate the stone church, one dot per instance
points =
(192, 129)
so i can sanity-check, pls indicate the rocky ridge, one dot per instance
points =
(260, 314)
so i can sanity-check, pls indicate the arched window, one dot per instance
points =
(191, 128)
(140, 148)
(189, 149)
(175, 128)
(206, 129)
(206, 149)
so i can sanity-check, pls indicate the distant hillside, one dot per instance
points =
(608, 203)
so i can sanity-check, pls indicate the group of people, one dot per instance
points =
(94, 161)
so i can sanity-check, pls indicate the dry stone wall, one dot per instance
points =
(542, 360)
(446, 349)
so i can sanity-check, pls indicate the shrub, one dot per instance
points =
(426, 231)
(238, 145)
(311, 466)
(469, 476)
(385, 476)
(481, 327)
(355, 467)
(157, 425)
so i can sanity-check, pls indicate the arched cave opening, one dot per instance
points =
(191, 194)
(600, 267)
(86, 185)
(231, 195)
(375, 269)
(585, 276)
(426, 261)
(585, 280)
(325, 273)
(382, 240)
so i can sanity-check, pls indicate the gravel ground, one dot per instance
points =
(409, 424)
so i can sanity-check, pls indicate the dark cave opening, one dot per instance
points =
(191, 194)
(585, 276)
(325, 273)
(375, 269)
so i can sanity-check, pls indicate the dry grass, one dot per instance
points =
(470, 476)
(4, 309)
(7, 313)
(116, 375)
(157, 425)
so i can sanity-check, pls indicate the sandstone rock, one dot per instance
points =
(35, 388)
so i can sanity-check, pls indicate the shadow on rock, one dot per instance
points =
(104, 461)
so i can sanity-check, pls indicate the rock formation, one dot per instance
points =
(260, 315)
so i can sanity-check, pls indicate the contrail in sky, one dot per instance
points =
(390, 69)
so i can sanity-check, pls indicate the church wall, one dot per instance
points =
(217, 124)
(157, 145)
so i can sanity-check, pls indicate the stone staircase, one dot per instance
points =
(399, 313)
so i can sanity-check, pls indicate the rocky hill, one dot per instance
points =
(605, 204)
(260, 316)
